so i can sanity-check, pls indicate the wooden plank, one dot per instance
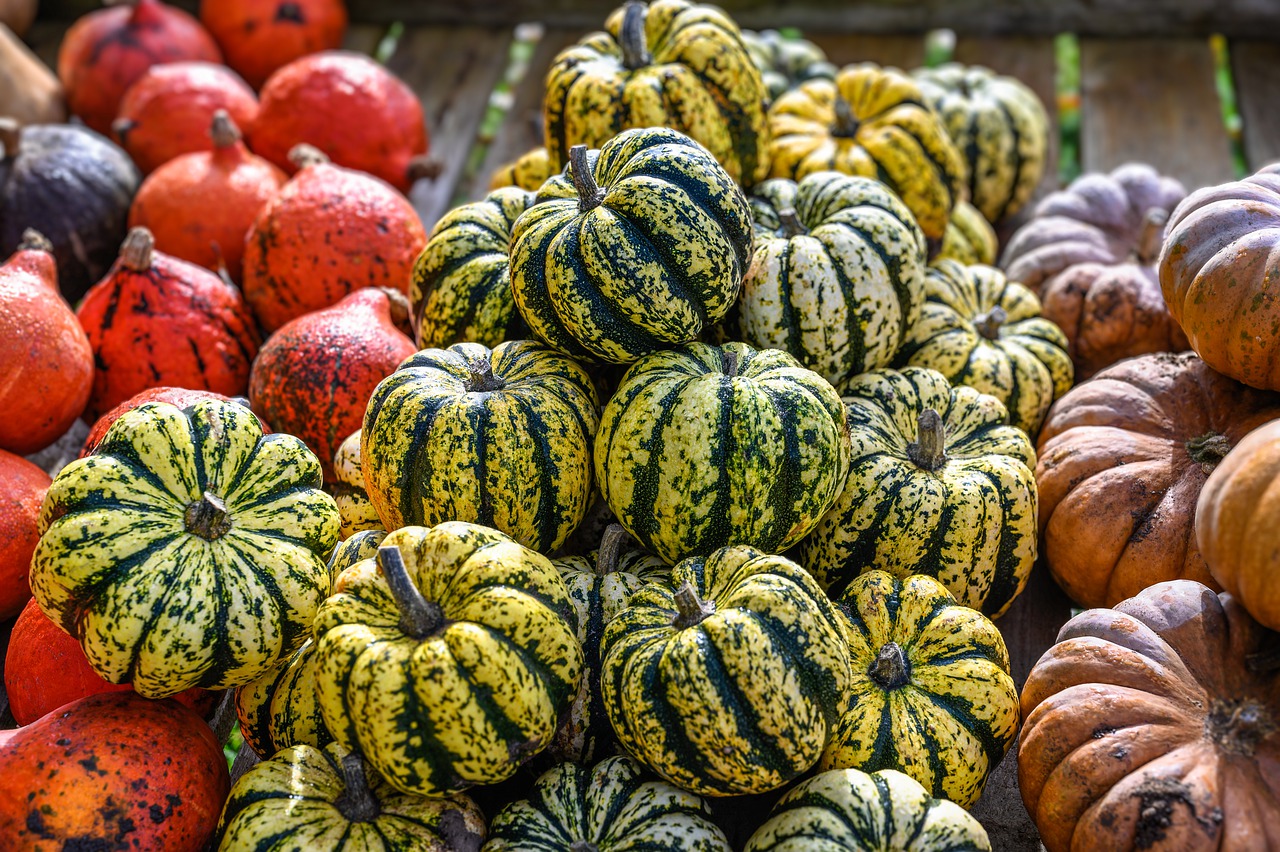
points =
(900, 51)
(363, 38)
(1256, 68)
(1153, 101)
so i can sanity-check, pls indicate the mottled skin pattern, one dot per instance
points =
(845, 810)
(529, 171)
(615, 806)
(786, 62)
(22, 488)
(969, 237)
(361, 546)
(181, 397)
(112, 773)
(280, 709)
(258, 38)
(355, 507)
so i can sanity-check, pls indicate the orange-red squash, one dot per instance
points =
(22, 488)
(259, 36)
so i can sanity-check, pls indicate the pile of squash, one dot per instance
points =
(691, 463)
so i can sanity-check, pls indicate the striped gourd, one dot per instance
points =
(870, 121)
(461, 286)
(448, 658)
(838, 273)
(998, 125)
(939, 484)
(361, 546)
(673, 64)
(529, 171)
(307, 799)
(501, 438)
(931, 696)
(846, 810)
(279, 709)
(705, 446)
(636, 247)
(786, 62)
(969, 237)
(188, 550)
(612, 807)
(354, 506)
(980, 329)
(728, 679)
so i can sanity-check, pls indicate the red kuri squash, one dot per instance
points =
(259, 36)
(22, 487)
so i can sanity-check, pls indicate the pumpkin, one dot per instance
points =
(156, 320)
(461, 290)
(728, 678)
(838, 273)
(969, 238)
(258, 37)
(181, 397)
(1218, 268)
(280, 709)
(74, 187)
(359, 547)
(1149, 726)
(174, 202)
(188, 550)
(637, 247)
(1123, 459)
(328, 232)
(938, 484)
(354, 506)
(32, 93)
(499, 437)
(786, 62)
(529, 171)
(845, 810)
(671, 64)
(22, 488)
(448, 658)
(931, 694)
(873, 122)
(614, 805)
(980, 329)
(18, 15)
(167, 112)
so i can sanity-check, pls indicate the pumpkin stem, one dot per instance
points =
(1238, 725)
(121, 128)
(207, 517)
(419, 617)
(357, 802)
(398, 306)
(791, 226)
(424, 167)
(610, 546)
(33, 240)
(929, 450)
(690, 609)
(846, 125)
(590, 195)
(583, 846)
(988, 324)
(1152, 236)
(729, 362)
(1208, 449)
(135, 251)
(10, 137)
(303, 155)
(890, 669)
(482, 378)
(635, 52)
(224, 132)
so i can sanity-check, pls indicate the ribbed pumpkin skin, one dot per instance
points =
(280, 709)
(612, 806)
(472, 701)
(461, 290)
(948, 715)
(969, 237)
(500, 437)
(181, 397)
(705, 446)
(845, 810)
(529, 171)
(786, 62)
(741, 701)
(971, 523)
(354, 505)
(660, 258)
(361, 546)
(154, 602)
(698, 79)
(840, 296)
(1025, 365)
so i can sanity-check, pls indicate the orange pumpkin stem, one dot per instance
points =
(631, 37)
(890, 669)
(136, 250)
(610, 546)
(988, 324)
(207, 517)
(929, 450)
(303, 155)
(590, 195)
(357, 802)
(1152, 237)
(690, 609)
(33, 240)
(223, 130)
(791, 225)
(1208, 449)
(847, 124)
(419, 617)
(10, 137)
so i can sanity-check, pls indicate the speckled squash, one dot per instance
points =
(529, 171)
(280, 709)
(354, 505)
(181, 397)
(786, 62)
(939, 484)
(969, 237)
(188, 550)
(361, 546)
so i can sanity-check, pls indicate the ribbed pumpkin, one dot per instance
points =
(181, 397)
(280, 709)
(461, 290)
(447, 659)
(939, 484)
(361, 546)
(729, 678)
(931, 694)
(980, 329)
(327, 800)
(611, 806)
(786, 62)
(188, 550)
(22, 489)
(853, 811)
(258, 37)
(354, 505)
(529, 171)
(705, 446)
(873, 122)
(969, 237)
(636, 247)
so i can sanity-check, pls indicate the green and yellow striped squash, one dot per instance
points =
(838, 273)
(529, 171)
(932, 696)
(354, 506)
(448, 658)
(705, 446)
(786, 62)
(673, 64)
(980, 329)
(307, 799)
(361, 546)
(873, 122)
(634, 248)
(998, 125)
(846, 810)
(498, 437)
(939, 484)
(280, 709)
(969, 237)
(188, 550)
(612, 807)
(461, 286)
(728, 679)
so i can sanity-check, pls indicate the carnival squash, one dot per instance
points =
(786, 62)
(529, 171)
(258, 37)
(348, 488)
(181, 397)
(280, 709)
(969, 238)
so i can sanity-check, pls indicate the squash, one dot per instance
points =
(18, 15)
(181, 397)
(258, 37)
(981, 329)
(705, 446)
(359, 547)
(1153, 726)
(188, 550)
(32, 94)
(727, 679)
(931, 694)
(969, 238)
(355, 507)
(786, 62)
(446, 659)
(838, 273)
(938, 484)
(280, 709)
(635, 248)
(529, 171)
(22, 489)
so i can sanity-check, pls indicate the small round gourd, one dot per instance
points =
(529, 171)
(786, 62)
(969, 237)
(354, 505)
(280, 709)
